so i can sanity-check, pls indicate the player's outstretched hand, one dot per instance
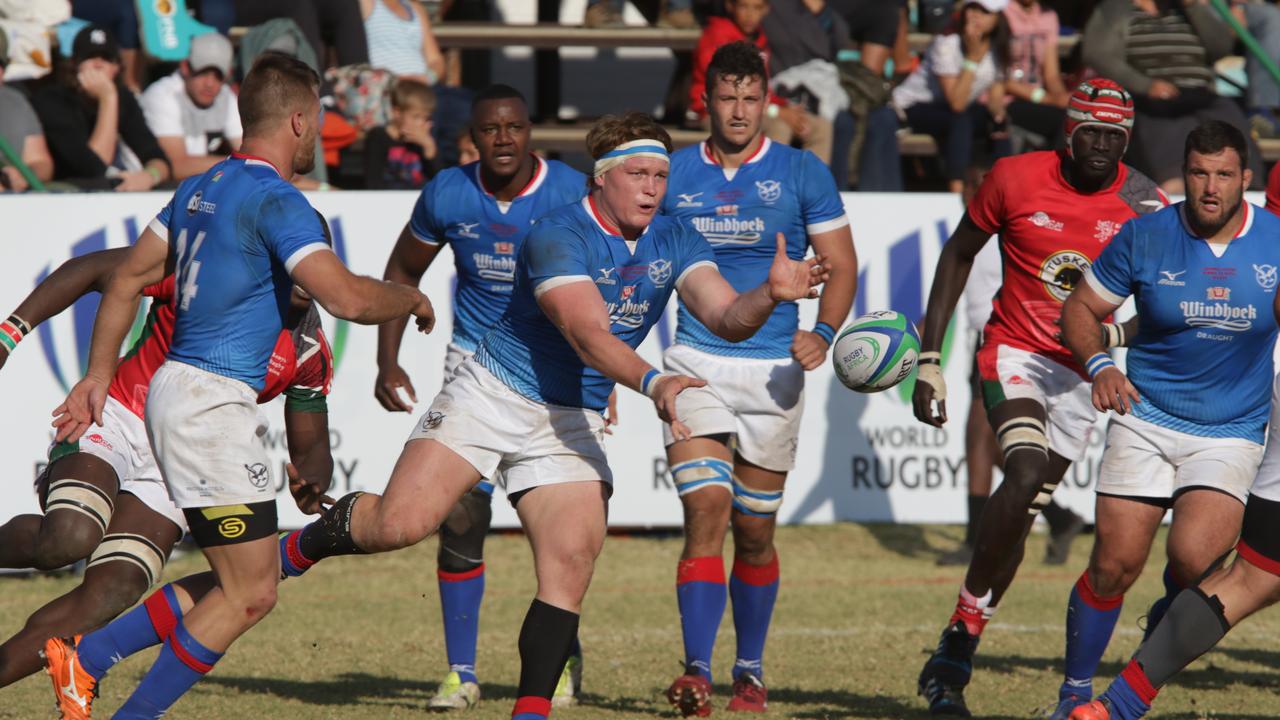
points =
(82, 408)
(795, 279)
(1113, 391)
(424, 313)
(664, 399)
(308, 495)
(611, 413)
(808, 349)
(387, 389)
(930, 388)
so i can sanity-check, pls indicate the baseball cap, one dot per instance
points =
(994, 6)
(95, 41)
(210, 51)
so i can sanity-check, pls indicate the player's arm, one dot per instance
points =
(737, 316)
(809, 348)
(359, 298)
(146, 263)
(409, 261)
(74, 278)
(307, 431)
(1082, 333)
(949, 279)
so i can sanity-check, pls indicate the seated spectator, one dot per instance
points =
(95, 128)
(121, 18)
(334, 21)
(941, 98)
(783, 121)
(1038, 96)
(400, 40)
(402, 155)
(193, 112)
(1262, 19)
(21, 130)
(1163, 51)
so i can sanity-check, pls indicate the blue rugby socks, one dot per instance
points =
(182, 662)
(754, 589)
(701, 595)
(146, 625)
(460, 597)
(1091, 619)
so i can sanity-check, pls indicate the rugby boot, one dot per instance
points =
(691, 695)
(1066, 704)
(74, 689)
(945, 675)
(454, 694)
(570, 684)
(749, 694)
(1096, 710)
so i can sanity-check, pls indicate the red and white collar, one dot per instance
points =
(255, 160)
(1244, 226)
(589, 204)
(709, 157)
(539, 175)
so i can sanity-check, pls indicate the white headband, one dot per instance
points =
(636, 148)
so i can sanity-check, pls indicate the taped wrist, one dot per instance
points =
(929, 372)
(1113, 335)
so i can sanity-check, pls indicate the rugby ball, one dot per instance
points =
(876, 351)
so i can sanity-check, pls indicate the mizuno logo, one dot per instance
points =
(688, 199)
(69, 690)
(1172, 275)
(1171, 278)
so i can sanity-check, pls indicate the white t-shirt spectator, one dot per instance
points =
(985, 278)
(944, 57)
(171, 113)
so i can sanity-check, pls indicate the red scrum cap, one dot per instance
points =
(1099, 102)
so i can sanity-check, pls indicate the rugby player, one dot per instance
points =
(1191, 410)
(739, 189)
(1054, 211)
(142, 523)
(483, 211)
(1191, 416)
(244, 234)
(593, 278)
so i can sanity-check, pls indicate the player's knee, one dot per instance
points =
(463, 533)
(755, 503)
(108, 595)
(65, 539)
(252, 601)
(1111, 575)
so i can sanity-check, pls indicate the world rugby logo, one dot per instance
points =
(1062, 271)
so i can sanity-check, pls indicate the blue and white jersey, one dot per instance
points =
(1206, 324)
(237, 232)
(486, 235)
(778, 189)
(572, 244)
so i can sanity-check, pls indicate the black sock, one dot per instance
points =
(331, 534)
(1193, 624)
(546, 637)
(1058, 517)
(976, 504)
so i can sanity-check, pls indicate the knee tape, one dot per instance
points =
(82, 497)
(1022, 433)
(1042, 498)
(702, 473)
(757, 503)
(134, 549)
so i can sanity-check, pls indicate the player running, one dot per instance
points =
(593, 278)
(115, 464)
(1054, 212)
(1191, 411)
(483, 211)
(740, 190)
(1191, 417)
(243, 233)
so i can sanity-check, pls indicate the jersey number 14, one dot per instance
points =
(188, 270)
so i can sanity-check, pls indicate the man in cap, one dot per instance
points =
(1054, 212)
(193, 112)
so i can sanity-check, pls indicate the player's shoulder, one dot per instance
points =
(1033, 163)
(1141, 193)
(455, 179)
(689, 154)
(1262, 219)
(561, 182)
(573, 217)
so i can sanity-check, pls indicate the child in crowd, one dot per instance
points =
(402, 155)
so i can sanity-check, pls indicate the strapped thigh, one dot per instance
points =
(756, 503)
(81, 497)
(134, 549)
(702, 473)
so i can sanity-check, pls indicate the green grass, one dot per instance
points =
(860, 608)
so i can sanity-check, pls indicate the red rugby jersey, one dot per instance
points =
(301, 365)
(1050, 234)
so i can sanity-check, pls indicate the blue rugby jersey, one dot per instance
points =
(573, 244)
(486, 235)
(778, 189)
(237, 231)
(1202, 358)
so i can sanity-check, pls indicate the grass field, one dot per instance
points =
(860, 608)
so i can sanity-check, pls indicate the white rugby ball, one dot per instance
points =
(876, 351)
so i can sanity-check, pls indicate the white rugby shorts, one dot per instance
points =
(759, 402)
(1011, 373)
(497, 429)
(1145, 460)
(206, 431)
(454, 356)
(121, 441)
(1266, 484)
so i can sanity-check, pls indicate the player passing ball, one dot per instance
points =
(594, 277)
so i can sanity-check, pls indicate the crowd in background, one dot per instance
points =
(92, 96)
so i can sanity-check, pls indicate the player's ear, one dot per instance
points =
(298, 124)
(1247, 176)
(598, 181)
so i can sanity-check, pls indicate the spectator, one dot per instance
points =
(1162, 51)
(467, 150)
(337, 21)
(402, 155)
(21, 130)
(1262, 19)
(1038, 96)
(95, 128)
(121, 18)
(400, 40)
(941, 98)
(193, 112)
